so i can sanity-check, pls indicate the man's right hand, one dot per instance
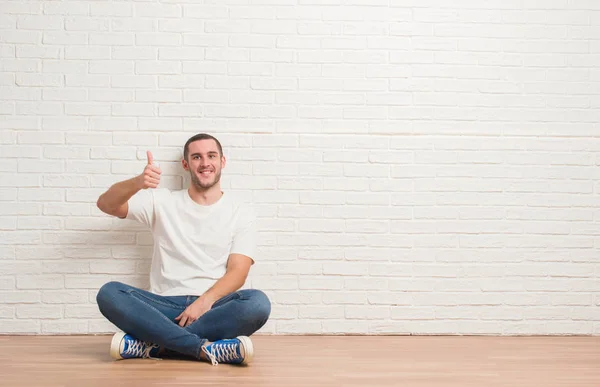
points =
(150, 178)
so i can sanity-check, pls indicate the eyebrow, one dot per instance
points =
(208, 153)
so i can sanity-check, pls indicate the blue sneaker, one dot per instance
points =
(230, 351)
(124, 346)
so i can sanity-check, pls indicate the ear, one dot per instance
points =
(185, 165)
(223, 161)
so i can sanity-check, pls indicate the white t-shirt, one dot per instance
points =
(192, 242)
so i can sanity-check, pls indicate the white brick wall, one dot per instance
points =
(420, 167)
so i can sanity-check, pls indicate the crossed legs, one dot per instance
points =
(151, 318)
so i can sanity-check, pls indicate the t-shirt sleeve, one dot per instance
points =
(141, 207)
(245, 233)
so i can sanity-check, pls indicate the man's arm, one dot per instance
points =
(238, 267)
(114, 201)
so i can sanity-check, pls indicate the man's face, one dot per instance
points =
(204, 163)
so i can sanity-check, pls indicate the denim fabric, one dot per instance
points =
(150, 317)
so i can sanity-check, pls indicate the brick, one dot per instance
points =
(29, 51)
(90, 281)
(111, 67)
(111, 39)
(66, 209)
(7, 252)
(32, 311)
(41, 194)
(367, 312)
(7, 312)
(133, 25)
(102, 326)
(90, 109)
(134, 53)
(20, 297)
(8, 194)
(39, 223)
(284, 312)
(89, 195)
(21, 326)
(19, 65)
(321, 283)
(298, 326)
(87, 52)
(280, 282)
(114, 267)
(20, 237)
(134, 109)
(66, 267)
(82, 312)
(38, 108)
(157, 39)
(64, 38)
(82, 23)
(46, 281)
(181, 25)
(21, 37)
(64, 327)
(64, 95)
(320, 312)
(108, 95)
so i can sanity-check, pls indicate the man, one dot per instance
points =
(204, 246)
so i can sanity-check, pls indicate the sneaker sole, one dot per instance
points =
(248, 349)
(115, 346)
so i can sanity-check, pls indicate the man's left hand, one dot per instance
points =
(194, 311)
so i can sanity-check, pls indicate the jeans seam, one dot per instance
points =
(151, 300)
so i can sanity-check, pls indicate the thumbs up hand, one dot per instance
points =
(150, 178)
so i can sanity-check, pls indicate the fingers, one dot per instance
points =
(181, 318)
(184, 320)
(152, 172)
(154, 168)
(150, 158)
(189, 321)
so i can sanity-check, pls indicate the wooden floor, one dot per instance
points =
(315, 360)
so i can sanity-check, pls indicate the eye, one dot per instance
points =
(212, 156)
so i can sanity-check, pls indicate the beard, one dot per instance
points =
(206, 184)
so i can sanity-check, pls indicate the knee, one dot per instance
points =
(107, 292)
(261, 305)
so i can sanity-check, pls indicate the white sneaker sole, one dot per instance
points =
(115, 345)
(248, 348)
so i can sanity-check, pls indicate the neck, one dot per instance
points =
(205, 197)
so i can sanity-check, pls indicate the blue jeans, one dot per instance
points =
(150, 317)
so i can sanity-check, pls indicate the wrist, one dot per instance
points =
(208, 298)
(138, 182)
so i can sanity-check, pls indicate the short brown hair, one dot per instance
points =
(200, 136)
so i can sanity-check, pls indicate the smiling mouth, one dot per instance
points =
(206, 173)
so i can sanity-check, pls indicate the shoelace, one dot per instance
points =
(139, 348)
(221, 352)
